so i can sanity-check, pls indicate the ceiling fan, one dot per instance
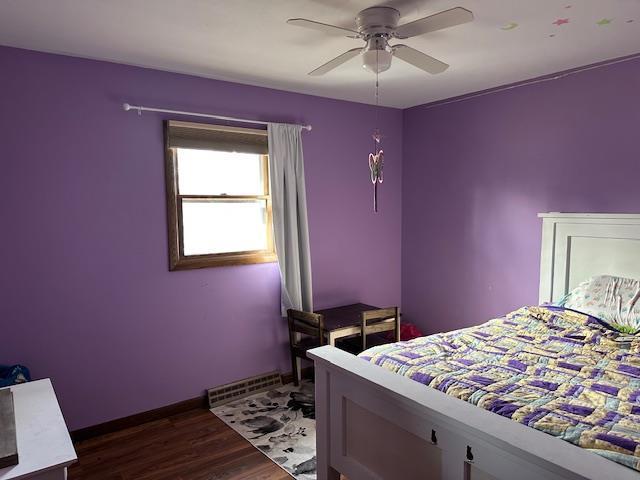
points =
(376, 26)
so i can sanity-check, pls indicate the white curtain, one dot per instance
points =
(291, 231)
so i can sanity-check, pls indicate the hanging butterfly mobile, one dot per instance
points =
(376, 165)
(376, 159)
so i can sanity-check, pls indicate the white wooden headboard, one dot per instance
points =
(576, 246)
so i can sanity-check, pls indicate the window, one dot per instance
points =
(218, 198)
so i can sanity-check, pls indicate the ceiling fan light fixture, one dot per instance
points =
(377, 55)
(376, 61)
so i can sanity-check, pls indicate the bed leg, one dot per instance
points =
(323, 433)
(327, 473)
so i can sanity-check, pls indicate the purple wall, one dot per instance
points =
(86, 295)
(477, 172)
(87, 298)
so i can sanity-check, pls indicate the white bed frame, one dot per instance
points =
(373, 424)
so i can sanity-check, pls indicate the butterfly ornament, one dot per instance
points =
(376, 159)
(376, 164)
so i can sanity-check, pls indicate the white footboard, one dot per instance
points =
(374, 424)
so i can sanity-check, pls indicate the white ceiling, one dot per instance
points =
(248, 41)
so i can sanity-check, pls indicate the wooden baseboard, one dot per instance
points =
(139, 418)
(159, 413)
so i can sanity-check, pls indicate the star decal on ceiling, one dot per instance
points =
(561, 21)
(604, 21)
(509, 26)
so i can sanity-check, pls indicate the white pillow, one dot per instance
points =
(614, 300)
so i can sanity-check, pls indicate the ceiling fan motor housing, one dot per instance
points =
(377, 21)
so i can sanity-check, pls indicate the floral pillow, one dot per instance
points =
(614, 300)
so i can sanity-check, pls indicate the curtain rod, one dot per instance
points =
(126, 107)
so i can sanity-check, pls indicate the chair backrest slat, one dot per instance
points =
(308, 318)
(380, 314)
(303, 328)
(383, 326)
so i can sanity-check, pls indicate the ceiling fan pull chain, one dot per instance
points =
(376, 159)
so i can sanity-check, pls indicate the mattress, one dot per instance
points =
(556, 370)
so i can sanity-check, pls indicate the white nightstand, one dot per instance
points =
(45, 449)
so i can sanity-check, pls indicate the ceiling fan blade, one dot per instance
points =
(336, 62)
(419, 59)
(446, 19)
(323, 27)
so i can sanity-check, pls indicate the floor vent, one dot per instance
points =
(243, 388)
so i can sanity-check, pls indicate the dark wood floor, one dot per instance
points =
(190, 446)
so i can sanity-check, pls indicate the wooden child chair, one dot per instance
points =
(305, 333)
(376, 322)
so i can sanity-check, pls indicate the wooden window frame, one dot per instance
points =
(177, 259)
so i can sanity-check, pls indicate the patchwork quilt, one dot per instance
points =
(556, 370)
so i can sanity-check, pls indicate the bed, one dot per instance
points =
(543, 393)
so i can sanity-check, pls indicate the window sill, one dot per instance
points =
(221, 260)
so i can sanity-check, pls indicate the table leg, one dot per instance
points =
(57, 474)
(298, 371)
